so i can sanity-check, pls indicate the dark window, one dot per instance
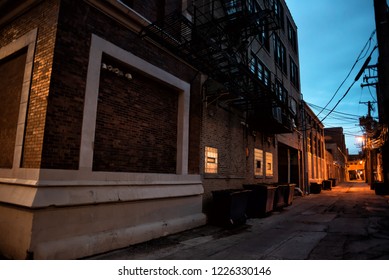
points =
(292, 36)
(279, 13)
(281, 92)
(233, 6)
(294, 73)
(280, 54)
(260, 70)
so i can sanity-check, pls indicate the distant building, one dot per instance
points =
(315, 159)
(335, 145)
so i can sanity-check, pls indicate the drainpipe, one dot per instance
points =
(304, 151)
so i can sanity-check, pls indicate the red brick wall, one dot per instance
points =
(53, 129)
(11, 77)
(136, 128)
(77, 21)
(43, 17)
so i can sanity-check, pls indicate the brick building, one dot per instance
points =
(250, 113)
(120, 117)
(336, 146)
(99, 140)
(314, 147)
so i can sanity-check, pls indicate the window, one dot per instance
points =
(294, 74)
(281, 92)
(258, 162)
(260, 70)
(292, 35)
(293, 106)
(280, 54)
(264, 35)
(269, 164)
(233, 6)
(279, 13)
(211, 156)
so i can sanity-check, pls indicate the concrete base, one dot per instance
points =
(71, 222)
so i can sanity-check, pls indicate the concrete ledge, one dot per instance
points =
(88, 245)
(78, 231)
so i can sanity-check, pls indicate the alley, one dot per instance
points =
(348, 222)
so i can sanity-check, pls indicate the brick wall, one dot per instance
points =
(77, 21)
(225, 130)
(136, 128)
(11, 71)
(43, 17)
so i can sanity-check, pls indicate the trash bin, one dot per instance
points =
(333, 180)
(229, 207)
(381, 188)
(261, 199)
(327, 184)
(279, 197)
(289, 194)
(315, 188)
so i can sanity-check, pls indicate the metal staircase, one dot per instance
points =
(215, 37)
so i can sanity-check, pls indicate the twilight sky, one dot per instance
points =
(332, 35)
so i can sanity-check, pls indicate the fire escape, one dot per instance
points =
(218, 38)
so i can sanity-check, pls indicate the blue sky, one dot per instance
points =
(332, 34)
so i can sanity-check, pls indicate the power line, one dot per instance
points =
(355, 80)
(349, 73)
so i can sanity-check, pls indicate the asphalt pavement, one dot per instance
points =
(348, 222)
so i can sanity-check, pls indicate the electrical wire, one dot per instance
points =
(347, 91)
(360, 57)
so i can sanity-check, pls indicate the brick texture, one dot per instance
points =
(43, 17)
(11, 70)
(136, 128)
(63, 127)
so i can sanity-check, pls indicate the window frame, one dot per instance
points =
(258, 157)
(211, 163)
(269, 170)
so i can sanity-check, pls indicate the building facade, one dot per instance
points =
(335, 145)
(314, 148)
(121, 117)
(100, 142)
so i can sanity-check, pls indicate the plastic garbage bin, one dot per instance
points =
(289, 194)
(315, 188)
(261, 199)
(229, 207)
(279, 197)
(327, 184)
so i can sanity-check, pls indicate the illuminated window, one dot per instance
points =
(210, 160)
(269, 164)
(258, 162)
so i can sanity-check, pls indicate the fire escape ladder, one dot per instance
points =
(214, 36)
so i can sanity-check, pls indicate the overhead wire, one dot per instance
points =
(360, 57)
(352, 84)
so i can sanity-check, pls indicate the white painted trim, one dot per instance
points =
(100, 46)
(85, 176)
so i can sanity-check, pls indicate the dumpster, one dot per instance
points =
(327, 184)
(333, 180)
(381, 188)
(279, 197)
(289, 194)
(229, 207)
(261, 199)
(315, 188)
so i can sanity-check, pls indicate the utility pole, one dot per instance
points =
(368, 126)
(382, 27)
